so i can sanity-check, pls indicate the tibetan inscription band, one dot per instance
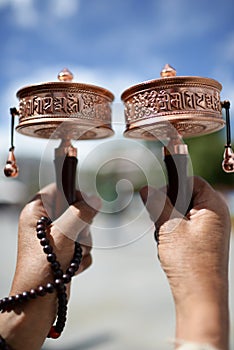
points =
(82, 106)
(190, 101)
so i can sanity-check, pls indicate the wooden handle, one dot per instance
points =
(65, 171)
(178, 181)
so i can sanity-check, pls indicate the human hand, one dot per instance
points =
(33, 269)
(73, 223)
(194, 252)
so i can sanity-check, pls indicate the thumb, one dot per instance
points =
(158, 205)
(77, 217)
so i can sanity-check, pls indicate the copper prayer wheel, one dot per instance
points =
(190, 104)
(65, 109)
(171, 108)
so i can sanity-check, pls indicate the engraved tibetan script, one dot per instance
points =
(156, 103)
(49, 104)
(75, 105)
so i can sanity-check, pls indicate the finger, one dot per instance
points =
(85, 240)
(85, 263)
(40, 205)
(204, 196)
(158, 205)
(77, 217)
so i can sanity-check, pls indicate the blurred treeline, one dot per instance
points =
(206, 154)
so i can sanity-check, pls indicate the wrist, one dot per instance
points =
(16, 325)
(198, 288)
(204, 319)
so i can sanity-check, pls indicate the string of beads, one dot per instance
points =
(58, 285)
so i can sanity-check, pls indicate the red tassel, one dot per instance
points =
(53, 334)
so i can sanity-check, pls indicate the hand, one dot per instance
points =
(194, 252)
(63, 231)
(32, 268)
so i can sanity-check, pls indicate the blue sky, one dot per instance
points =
(113, 43)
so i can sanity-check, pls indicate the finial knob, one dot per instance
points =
(168, 71)
(65, 75)
(11, 168)
(228, 160)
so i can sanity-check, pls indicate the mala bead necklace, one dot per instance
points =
(58, 285)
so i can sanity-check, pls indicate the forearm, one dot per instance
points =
(204, 319)
(27, 326)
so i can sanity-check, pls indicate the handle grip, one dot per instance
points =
(178, 191)
(65, 171)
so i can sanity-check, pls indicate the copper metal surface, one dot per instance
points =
(65, 149)
(11, 169)
(65, 109)
(228, 160)
(190, 105)
(175, 146)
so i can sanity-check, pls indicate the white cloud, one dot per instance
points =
(24, 12)
(64, 8)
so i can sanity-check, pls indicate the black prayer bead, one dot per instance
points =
(60, 278)
(66, 278)
(71, 271)
(76, 261)
(11, 299)
(19, 298)
(58, 274)
(41, 291)
(33, 294)
(41, 234)
(60, 285)
(63, 307)
(5, 304)
(74, 266)
(55, 265)
(45, 219)
(51, 257)
(48, 249)
(40, 227)
(44, 241)
(26, 295)
(62, 316)
(50, 288)
(63, 297)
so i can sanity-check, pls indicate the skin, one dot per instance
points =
(194, 253)
(32, 269)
